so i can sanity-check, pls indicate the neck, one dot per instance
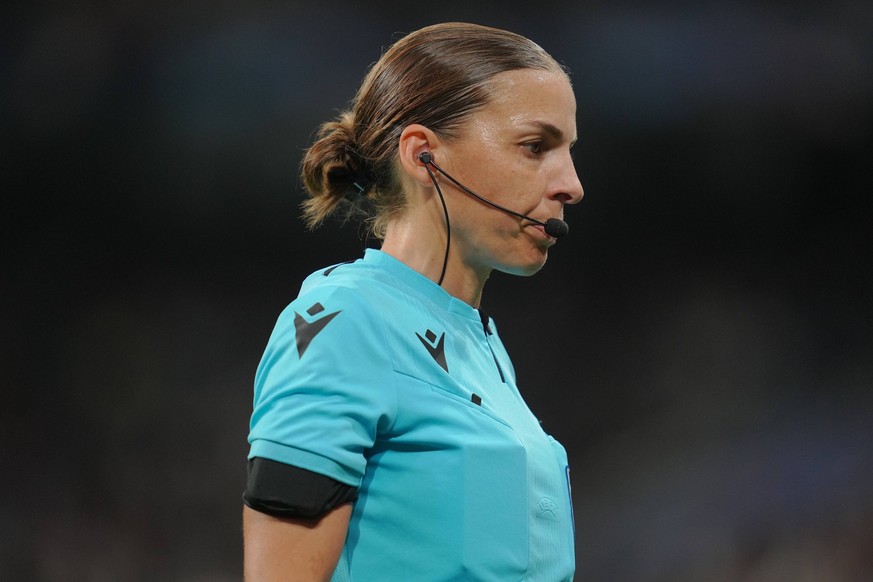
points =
(418, 239)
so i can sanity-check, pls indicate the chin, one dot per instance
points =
(527, 268)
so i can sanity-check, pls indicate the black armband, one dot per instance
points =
(287, 491)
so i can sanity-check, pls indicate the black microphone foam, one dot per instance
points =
(556, 228)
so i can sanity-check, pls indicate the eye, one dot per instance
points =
(534, 147)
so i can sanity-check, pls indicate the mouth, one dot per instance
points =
(539, 234)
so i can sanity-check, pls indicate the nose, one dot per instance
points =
(567, 188)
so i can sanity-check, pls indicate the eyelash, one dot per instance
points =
(536, 147)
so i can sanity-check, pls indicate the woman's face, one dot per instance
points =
(516, 152)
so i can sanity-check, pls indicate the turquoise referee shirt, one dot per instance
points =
(378, 378)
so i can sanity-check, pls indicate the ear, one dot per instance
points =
(415, 139)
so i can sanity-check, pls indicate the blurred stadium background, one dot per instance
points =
(702, 342)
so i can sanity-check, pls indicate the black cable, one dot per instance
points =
(446, 211)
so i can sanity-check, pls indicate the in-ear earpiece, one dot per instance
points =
(425, 158)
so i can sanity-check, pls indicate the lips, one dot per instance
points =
(541, 235)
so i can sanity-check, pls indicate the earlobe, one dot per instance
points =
(417, 142)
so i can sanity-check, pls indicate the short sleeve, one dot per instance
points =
(324, 390)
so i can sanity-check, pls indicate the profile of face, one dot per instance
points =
(516, 152)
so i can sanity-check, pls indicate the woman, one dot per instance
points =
(388, 439)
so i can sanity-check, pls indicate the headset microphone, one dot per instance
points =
(553, 227)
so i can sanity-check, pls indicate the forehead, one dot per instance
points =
(530, 97)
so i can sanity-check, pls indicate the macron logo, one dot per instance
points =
(306, 331)
(436, 348)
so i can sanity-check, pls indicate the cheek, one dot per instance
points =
(508, 189)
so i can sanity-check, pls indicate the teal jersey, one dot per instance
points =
(377, 377)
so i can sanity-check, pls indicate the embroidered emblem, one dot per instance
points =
(436, 348)
(547, 509)
(306, 331)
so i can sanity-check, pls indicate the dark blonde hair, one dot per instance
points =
(437, 77)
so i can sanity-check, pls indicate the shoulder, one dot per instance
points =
(346, 307)
(351, 286)
(327, 336)
(320, 276)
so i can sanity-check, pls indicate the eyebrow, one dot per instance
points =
(552, 130)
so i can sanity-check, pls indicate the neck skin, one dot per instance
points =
(417, 238)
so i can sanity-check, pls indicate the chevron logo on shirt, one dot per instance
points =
(436, 348)
(306, 331)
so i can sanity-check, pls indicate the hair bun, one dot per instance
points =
(333, 170)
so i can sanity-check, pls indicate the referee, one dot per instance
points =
(389, 440)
